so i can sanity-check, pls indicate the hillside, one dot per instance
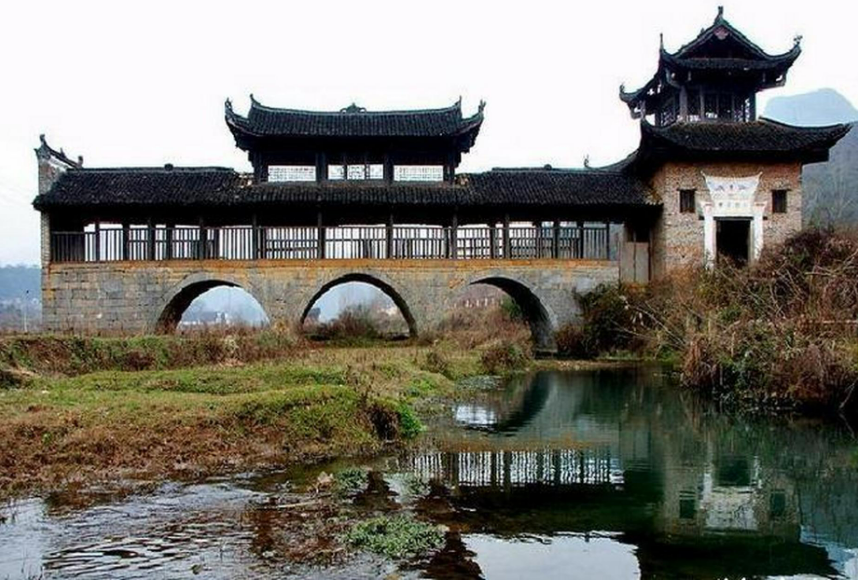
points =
(17, 281)
(831, 188)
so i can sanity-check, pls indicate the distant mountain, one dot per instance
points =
(20, 282)
(822, 107)
(831, 188)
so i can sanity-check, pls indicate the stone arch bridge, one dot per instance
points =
(145, 297)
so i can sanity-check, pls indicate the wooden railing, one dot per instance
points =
(591, 242)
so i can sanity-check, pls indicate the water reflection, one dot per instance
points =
(619, 452)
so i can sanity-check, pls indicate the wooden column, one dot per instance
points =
(254, 237)
(388, 237)
(580, 240)
(538, 239)
(493, 240)
(555, 244)
(607, 240)
(214, 251)
(97, 244)
(126, 241)
(683, 104)
(506, 242)
(454, 236)
(168, 235)
(388, 168)
(150, 240)
(320, 227)
(202, 242)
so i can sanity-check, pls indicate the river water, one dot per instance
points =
(591, 474)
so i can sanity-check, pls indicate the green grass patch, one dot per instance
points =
(396, 537)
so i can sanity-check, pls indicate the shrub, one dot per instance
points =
(410, 425)
(504, 357)
(396, 537)
(436, 362)
(778, 334)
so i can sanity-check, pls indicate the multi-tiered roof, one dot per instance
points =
(716, 76)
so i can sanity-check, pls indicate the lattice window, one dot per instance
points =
(356, 172)
(280, 173)
(336, 172)
(418, 173)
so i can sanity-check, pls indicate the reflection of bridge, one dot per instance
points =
(517, 468)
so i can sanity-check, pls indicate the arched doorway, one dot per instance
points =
(359, 295)
(211, 304)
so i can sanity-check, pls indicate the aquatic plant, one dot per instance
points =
(350, 481)
(397, 537)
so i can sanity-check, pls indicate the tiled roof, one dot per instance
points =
(352, 121)
(124, 186)
(199, 187)
(742, 140)
(557, 187)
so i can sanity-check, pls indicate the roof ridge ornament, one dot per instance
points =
(797, 40)
(720, 16)
(353, 109)
(481, 107)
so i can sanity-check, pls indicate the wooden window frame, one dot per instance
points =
(687, 201)
(780, 201)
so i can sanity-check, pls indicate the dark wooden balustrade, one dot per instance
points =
(574, 242)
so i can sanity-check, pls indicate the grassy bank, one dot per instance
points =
(780, 335)
(62, 425)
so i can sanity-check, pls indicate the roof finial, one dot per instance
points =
(228, 104)
(797, 39)
(720, 13)
(253, 100)
(353, 108)
(587, 162)
(661, 40)
(482, 106)
(459, 102)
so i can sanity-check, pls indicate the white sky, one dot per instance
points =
(144, 83)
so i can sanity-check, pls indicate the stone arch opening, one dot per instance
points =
(236, 308)
(384, 287)
(534, 312)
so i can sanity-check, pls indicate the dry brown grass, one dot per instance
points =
(780, 334)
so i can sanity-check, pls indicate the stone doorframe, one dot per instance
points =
(732, 198)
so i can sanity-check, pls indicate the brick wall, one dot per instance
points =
(678, 237)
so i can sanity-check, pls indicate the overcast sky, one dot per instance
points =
(144, 83)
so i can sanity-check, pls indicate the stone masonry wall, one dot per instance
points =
(678, 237)
(130, 297)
